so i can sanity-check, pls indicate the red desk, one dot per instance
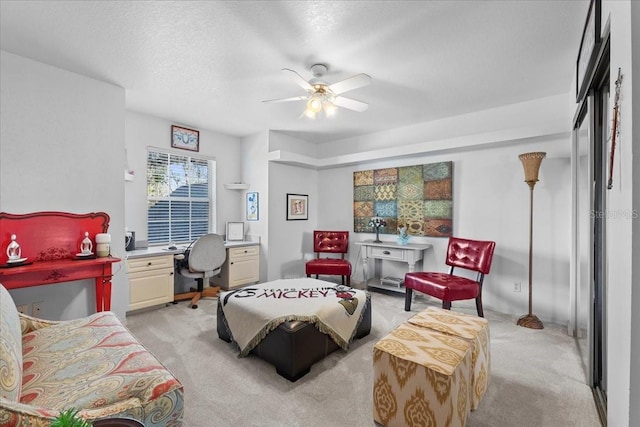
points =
(65, 270)
(49, 241)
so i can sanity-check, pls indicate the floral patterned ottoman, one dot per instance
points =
(421, 378)
(93, 364)
(473, 329)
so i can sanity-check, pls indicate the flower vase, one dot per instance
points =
(403, 239)
(377, 236)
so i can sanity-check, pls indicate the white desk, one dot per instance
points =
(180, 248)
(409, 253)
(151, 271)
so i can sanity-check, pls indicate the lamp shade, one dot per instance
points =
(531, 163)
(315, 103)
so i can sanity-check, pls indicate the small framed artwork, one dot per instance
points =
(253, 206)
(235, 231)
(184, 138)
(297, 207)
(589, 45)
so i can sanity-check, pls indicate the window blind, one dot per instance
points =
(180, 197)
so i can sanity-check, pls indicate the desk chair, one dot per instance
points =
(330, 242)
(203, 260)
(473, 255)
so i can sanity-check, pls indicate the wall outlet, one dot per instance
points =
(36, 309)
(517, 287)
(24, 309)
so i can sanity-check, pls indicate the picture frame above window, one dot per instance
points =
(185, 138)
(235, 232)
(253, 206)
(297, 207)
(588, 51)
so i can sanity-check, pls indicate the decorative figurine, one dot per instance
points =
(13, 249)
(86, 246)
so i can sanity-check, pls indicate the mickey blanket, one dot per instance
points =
(254, 311)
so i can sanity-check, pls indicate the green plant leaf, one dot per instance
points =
(69, 418)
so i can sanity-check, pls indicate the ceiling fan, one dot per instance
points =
(326, 97)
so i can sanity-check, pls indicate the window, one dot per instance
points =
(180, 197)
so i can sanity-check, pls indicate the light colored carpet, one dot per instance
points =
(536, 379)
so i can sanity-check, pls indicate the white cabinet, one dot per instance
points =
(241, 267)
(150, 281)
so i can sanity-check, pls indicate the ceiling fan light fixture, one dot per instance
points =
(315, 103)
(329, 108)
(326, 98)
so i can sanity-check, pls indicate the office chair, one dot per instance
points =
(473, 255)
(202, 260)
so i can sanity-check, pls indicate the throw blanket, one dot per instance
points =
(252, 312)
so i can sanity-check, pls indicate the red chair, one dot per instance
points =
(330, 242)
(474, 255)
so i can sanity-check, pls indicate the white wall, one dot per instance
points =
(290, 242)
(543, 116)
(143, 131)
(280, 141)
(255, 172)
(623, 232)
(62, 149)
(491, 202)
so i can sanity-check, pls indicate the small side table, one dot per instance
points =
(389, 251)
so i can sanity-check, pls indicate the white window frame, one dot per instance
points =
(211, 187)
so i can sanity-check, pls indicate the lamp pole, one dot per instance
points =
(531, 163)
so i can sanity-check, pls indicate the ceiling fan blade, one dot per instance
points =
(350, 104)
(351, 83)
(293, 98)
(300, 80)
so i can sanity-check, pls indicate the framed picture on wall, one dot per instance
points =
(184, 138)
(589, 45)
(235, 231)
(297, 207)
(253, 206)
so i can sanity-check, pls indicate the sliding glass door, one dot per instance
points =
(589, 212)
(602, 121)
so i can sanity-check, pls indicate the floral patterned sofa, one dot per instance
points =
(93, 364)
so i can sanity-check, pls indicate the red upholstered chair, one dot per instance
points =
(474, 255)
(330, 242)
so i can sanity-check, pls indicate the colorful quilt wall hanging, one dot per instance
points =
(418, 197)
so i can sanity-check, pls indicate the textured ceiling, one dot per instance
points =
(210, 64)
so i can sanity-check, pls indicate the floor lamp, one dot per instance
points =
(531, 163)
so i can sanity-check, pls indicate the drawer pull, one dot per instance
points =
(149, 264)
(386, 252)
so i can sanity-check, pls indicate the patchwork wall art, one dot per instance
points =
(418, 197)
